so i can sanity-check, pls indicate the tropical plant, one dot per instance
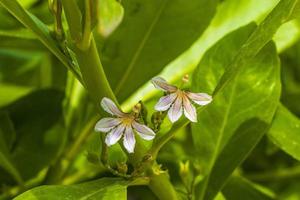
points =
(153, 99)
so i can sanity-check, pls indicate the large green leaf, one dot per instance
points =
(285, 131)
(37, 139)
(282, 13)
(152, 34)
(102, 189)
(238, 187)
(240, 114)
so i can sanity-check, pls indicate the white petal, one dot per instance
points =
(129, 140)
(110, 107)
(165, 102)
(106, 124)
(115, 135)
(144, 131)
(189, 110)
(175, 111)
(162, 84)
(200, 98)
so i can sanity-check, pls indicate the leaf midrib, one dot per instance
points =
(140, 48)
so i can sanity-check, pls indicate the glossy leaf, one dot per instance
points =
(102, 189)
(151, 35)
(238, 187)
(285, 131)
(240, 114)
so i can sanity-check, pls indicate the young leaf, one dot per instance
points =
(285, 131)
(238, 187)
(152, 34)
(102, 189)
(240, 114)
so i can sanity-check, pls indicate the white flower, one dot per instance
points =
(178, 101)
(123, 124)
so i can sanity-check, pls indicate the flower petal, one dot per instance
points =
(144, 131)
(175, 111)
(129, 139)
(165, 102)
(162, 84)
(109, 106)
(200, 98)
(189, 110)
(106, 124)
(115, 135)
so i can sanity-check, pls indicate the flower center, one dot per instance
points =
(127, 120)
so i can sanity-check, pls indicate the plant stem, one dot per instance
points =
(86, 36)
(98, 87)
(74, 17)
(93, 74)
(162, 187)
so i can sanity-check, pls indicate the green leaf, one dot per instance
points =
(282, 13)
(111, 14)
(40, 29)
(38, 137)
(10, 93)
(102, 189)
(7, 135)
(151, 35)
(285, 131)
(19, 33)
(238, 187)
(240, 114)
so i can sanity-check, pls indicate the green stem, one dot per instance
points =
(74, 17)
(162, 187)
(98, 87)
(93, 74)
(87, 31)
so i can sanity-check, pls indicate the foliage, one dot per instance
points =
(60, 58)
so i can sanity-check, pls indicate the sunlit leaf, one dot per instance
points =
(240, 114)
(102, 189)
(151, 35)
(285, 131)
